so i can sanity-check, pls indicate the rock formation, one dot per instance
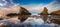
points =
(57, 21)
(23, 14)
(44, 14)
(56, 17)
(12, 14)
(56, 12)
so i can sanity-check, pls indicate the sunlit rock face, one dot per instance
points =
(44, 14)
(56, 12)
(23, 14)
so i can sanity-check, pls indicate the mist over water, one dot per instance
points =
(32, 21)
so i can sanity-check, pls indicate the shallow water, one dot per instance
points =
(30, 22)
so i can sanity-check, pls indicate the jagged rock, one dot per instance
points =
(56, 12)
(44, 14)
(23, 14)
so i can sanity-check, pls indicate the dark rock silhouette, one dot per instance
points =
(57, 21)
(23, 14)
(1, 18)
(56, 12)
(44, 14)
(12, 14)
(56, 17)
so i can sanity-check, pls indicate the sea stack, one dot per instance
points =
(44, 14)
(23, 14)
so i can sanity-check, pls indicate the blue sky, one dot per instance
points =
(24, 2)
(34, 6)
(9, 3)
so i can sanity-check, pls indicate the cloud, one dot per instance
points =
(34, 8)
(2, 4)
(6, 8)
(37, 8)
(14, 9)
(53, 6)
(6, 3)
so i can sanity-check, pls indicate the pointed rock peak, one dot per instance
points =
(45, 11)
(23, 14)
(22, 8)
(24, 11)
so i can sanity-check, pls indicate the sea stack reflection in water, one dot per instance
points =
(23, 14)
(44, 14)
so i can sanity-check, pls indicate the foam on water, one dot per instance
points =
(33, 21)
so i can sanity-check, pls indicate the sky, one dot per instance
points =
(25, 2)
(34, 6)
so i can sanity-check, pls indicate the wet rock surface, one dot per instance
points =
(30, 22)
(23, 14)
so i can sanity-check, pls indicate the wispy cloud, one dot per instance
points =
(37, 8)
(33, 8)
(14, 9)
(9, 8)
(53, 6)
(2, 2)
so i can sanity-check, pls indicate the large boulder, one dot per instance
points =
(23, 14)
